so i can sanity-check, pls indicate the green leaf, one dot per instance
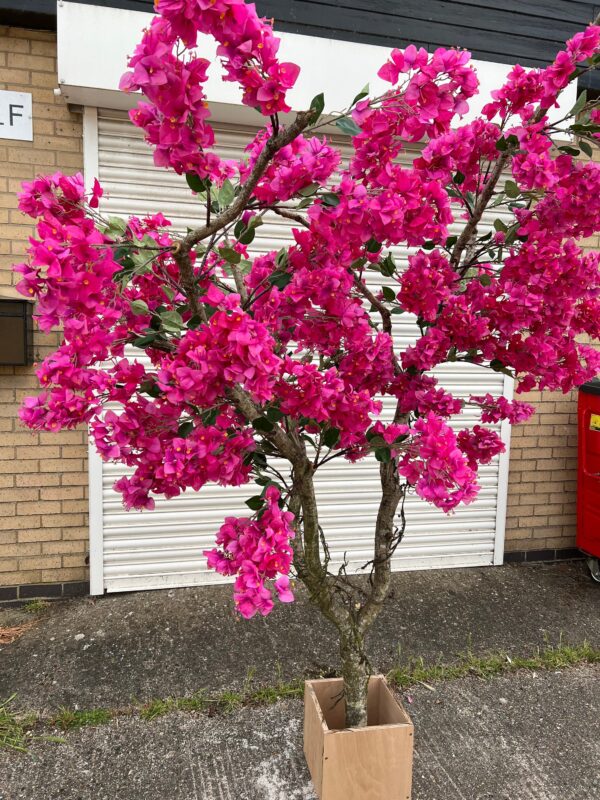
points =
(347, 125)
(116, 226)
(383, 454)
(451, 241)
(140, 307)
(150, 387)
(373, 246)
(231, 255)
(308, 191)
(458, 178)
(331, 437)
(255, 503)
(196, 183)
(317, 104)
(305, 203)
(226, 193)
(570, 151)
(428, 245)
(388, 293)
(185, 429)
(387, 266)
(501, 144)
(511, 189)
(247, 236)
(262, 424)
(259, 459)
(274, 414)
(500, 226)
(485, 280)
(144, 341)
(280, 279)
(587, 148)
(171, 321)
(363, 93)
(209, 417)
(397, 310)
(281, 259)
(330, 199)
(580, 103)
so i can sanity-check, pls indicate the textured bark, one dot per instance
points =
(344, 603)
(355, 672)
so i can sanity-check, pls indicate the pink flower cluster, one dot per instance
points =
(257, 551)
(436, 89)
(175, 119)
(70, 269)
(525, 90)
(436, 465)
(294, 167)
(231, 349)
(495, 409)
(426, 284)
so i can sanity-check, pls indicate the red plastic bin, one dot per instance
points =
(588, 480)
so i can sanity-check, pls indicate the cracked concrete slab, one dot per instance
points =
(134, 647)
(517, 737)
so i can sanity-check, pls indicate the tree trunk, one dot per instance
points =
(355, 672)
(349, 606)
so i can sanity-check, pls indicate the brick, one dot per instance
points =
(74, 451)
(20, 550)
(61, 465)
(44, 79)
(23, 60)
(38, 452)
(75, 561)
(39, 507)
(19, 577)
(15, 45)
(38, 479)
(62, 520)
(17, 494)
(62, 493)
(74, 534)
(15, 77)
(62, 547)
(76, 506)
(40, 562)
(40, 535)
(70, 574)
(19, 523)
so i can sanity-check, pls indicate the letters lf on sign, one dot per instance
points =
(15, 116)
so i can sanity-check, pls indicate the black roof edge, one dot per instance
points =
(40, 14)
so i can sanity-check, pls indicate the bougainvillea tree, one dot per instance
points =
(263, 369)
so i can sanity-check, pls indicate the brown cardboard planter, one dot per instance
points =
(372, 763)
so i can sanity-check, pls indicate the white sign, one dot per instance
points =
(16, 116)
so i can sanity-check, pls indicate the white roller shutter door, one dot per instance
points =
(163, 548)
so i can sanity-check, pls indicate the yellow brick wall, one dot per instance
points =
(543, 475)
(43, 477)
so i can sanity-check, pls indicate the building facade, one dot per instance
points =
(57, 509)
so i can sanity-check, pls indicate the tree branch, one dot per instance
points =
(273, 144)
